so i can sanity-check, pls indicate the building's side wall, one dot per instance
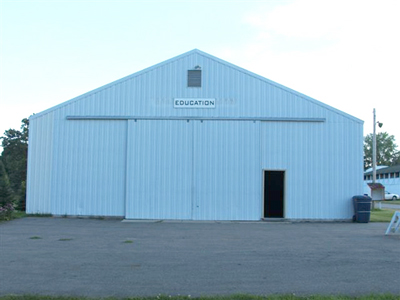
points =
(323, 164)
(40, 159)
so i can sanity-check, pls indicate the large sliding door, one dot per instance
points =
(226, 171)
(197, 170)
(159, 170)
(89, 168)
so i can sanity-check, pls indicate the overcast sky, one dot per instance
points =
(343, 53)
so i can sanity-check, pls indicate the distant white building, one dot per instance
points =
(377, 167)
(388, 176)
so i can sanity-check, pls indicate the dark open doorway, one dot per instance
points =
(274, 187)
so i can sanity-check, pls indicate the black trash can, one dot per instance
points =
(362, 208)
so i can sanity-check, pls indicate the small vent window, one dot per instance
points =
(194, 78)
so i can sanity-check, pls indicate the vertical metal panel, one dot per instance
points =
(159, 174)
(323, 163)
(40, 158)
(89, 168)
(227, 173)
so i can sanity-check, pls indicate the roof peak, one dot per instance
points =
(215, 59)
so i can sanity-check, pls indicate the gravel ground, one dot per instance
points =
(87, 257)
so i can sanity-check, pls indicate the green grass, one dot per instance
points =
(21, 214)
(128, 242)
(392, 202)
(14, 215)
(97, 217)
(18, 214)
(39, 215)
(35, 237)
(381, 215)
(232, 297)
(65, 240)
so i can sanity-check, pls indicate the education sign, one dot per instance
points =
(194, 103)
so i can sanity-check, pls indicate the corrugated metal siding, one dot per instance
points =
(89, 166)
(193, 170)
(227, 174)
(237, 94)
(323, 161)
(40, 159)
(159, 174)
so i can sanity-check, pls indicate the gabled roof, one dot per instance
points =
(392, 169)
(218, 60)
(376, 186)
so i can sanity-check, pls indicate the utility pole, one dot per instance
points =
(374, 151)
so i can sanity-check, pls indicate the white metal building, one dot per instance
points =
(197, 138)
(389, 177)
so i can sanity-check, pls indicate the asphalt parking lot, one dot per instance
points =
(62, 256)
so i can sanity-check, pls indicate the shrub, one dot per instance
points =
(6, 212)
(7, 199)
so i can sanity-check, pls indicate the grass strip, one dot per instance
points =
(39, 215)
(392, 202)
(381, 215)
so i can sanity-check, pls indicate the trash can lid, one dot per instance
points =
(362, 197)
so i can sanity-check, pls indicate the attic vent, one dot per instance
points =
(194, 78)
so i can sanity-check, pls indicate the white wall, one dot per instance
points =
(189, 169)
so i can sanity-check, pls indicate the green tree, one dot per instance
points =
(386, 150)
(396, 160)
(6, 194)
(14, 158)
